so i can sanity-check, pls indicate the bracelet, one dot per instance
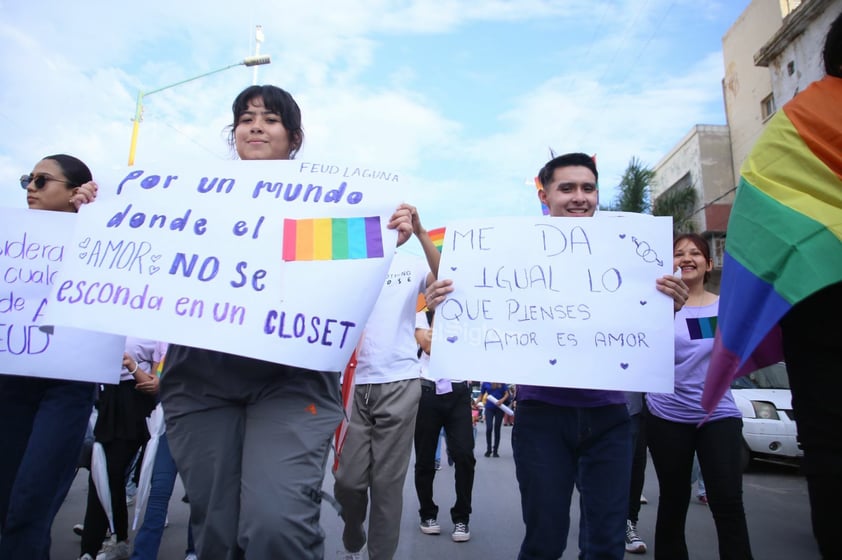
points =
(134, 371)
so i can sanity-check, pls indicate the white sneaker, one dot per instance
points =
(634, 543)
(345, 555)
(191, 556)
(119, 551)
(86, 556)
(460, 533)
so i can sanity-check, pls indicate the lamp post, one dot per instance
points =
(138, 112)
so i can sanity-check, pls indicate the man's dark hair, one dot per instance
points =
(566, 160)
(833, 48)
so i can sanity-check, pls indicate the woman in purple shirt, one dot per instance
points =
(678, 427)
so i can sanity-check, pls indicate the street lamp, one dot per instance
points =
(248, 61)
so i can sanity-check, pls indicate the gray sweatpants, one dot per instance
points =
(374, 459)
(252, 454)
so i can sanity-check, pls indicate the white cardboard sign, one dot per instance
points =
(32, 251)
(564, 302)
(276, 260)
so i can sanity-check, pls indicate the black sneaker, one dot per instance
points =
(430, 527)
(488, 453)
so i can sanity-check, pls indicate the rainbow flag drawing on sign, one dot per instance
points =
(332, 239)
(784, 235)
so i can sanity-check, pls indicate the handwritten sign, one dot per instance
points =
(564, 302)
(255, 258)
(32, 251)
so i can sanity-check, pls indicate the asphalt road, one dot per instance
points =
(776, 505)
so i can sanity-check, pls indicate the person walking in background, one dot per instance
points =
(677, 427)
(636, 406)
(445, 405)
(493, 414)
(121, 429)
(43, 420)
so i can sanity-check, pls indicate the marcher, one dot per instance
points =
(566, 437)
(792, 185)
(445, 404)
(249, 450)
(378, 444)
(677, 427)
(121, 430)
(44, 420)
(637, 411)
(493, 414)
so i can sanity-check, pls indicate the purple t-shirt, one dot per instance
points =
(694, 332)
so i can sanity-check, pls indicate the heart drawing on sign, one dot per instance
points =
(154, 257)
(553, 362)
(624, 365)
(643, 302)
(153, 269)
(453, 268)
(84, 245)
(622, 236)
(452, 339)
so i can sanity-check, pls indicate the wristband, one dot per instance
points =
(134, 371)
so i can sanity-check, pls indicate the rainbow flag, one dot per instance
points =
(784, 235)
(331, 239)
(437, 237)
(545, 210)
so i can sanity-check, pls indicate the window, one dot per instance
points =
(767, 106)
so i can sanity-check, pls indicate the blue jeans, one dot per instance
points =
(557, 447)
(148, 538)
(43, 424)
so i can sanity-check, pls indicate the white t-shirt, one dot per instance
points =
(145, 352)
(388, 351)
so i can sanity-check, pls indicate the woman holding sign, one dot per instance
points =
(251, 438)
(678, 427)
(43, 420)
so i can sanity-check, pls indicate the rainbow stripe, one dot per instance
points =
(437, 237)
(701, 327)
(332, 239)
(545, 210)
(784, 235)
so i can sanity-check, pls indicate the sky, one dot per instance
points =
(464, 99)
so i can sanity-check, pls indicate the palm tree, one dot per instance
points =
(680, 203)
(634, 188)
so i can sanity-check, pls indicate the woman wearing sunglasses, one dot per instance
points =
(43, 420)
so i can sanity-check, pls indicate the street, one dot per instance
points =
(776, 506)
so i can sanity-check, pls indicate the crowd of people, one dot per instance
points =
(252, 455)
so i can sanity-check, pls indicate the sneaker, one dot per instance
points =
(495, 454)
(438, 465)
(86, 557)
(345, 555)
(191, 556)
(78, 529)
(461, 533)
(488, 453)
(430, 527)
(703, 499)
(120, 551)
(643, 499)
(634, 544)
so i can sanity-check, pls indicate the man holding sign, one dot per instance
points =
(566, 437)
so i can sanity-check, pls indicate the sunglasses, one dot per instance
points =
(40, 181)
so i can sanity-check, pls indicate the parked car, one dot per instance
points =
(765, 401)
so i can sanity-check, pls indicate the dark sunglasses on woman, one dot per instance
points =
(40, 181)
